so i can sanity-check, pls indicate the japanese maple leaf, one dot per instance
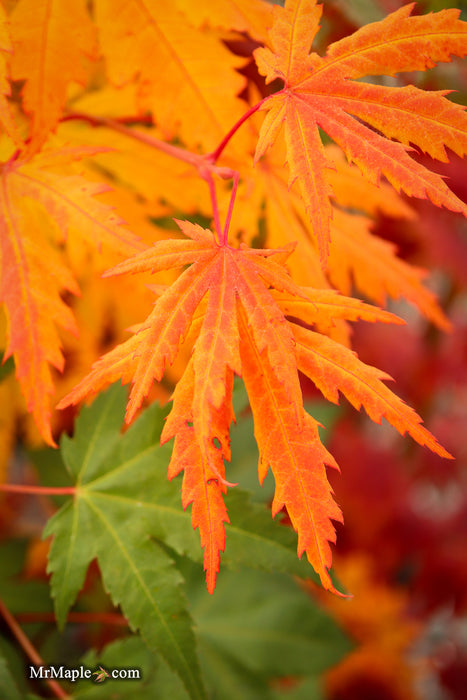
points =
(237, 300)
(44, 33)
(39, 209)
(367, 121)
(355, 254)
(195, 95)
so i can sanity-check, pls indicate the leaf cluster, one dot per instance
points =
(118, 117)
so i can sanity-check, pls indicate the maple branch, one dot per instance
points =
(204, 164)
(175, 151)
(225, 234)
(39, 490)
(29, 649)
(12, 158)
(214, 155)
(200, 162)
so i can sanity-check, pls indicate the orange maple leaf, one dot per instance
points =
(355, 255)
(39, 208)
(241, 298)
(362, 118)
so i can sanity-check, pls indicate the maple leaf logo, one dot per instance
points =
(101, 675)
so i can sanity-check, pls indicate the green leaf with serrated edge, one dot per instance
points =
(130, 486)
(97, 431)
(141, 487)
(267, 609)
(104, 521)
(72, 550)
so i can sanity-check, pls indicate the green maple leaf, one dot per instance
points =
(127, 515)
(107, 520)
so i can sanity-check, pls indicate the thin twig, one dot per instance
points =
(214, 155)
(215, 209)
(29, 649)
(38, 490)
(175, 151)
(205, 164)
(231, 205)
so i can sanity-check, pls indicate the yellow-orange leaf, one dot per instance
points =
(30, 288)
(355, 255)
(194, 94)
(140, 168)
(328, 305)
(216, 350)
(39, 209)
(292, 33)
(53, 42)
(398, 43)
(352, 191)
(250, 16)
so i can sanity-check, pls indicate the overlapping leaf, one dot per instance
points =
(243, 329)
(250, 16)
(39, 208)
(194, 94)
(45, 33)
(247, 633)
(355, 254)
(138, 573)
(124, 478)
(361, 118)
(236, 309)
